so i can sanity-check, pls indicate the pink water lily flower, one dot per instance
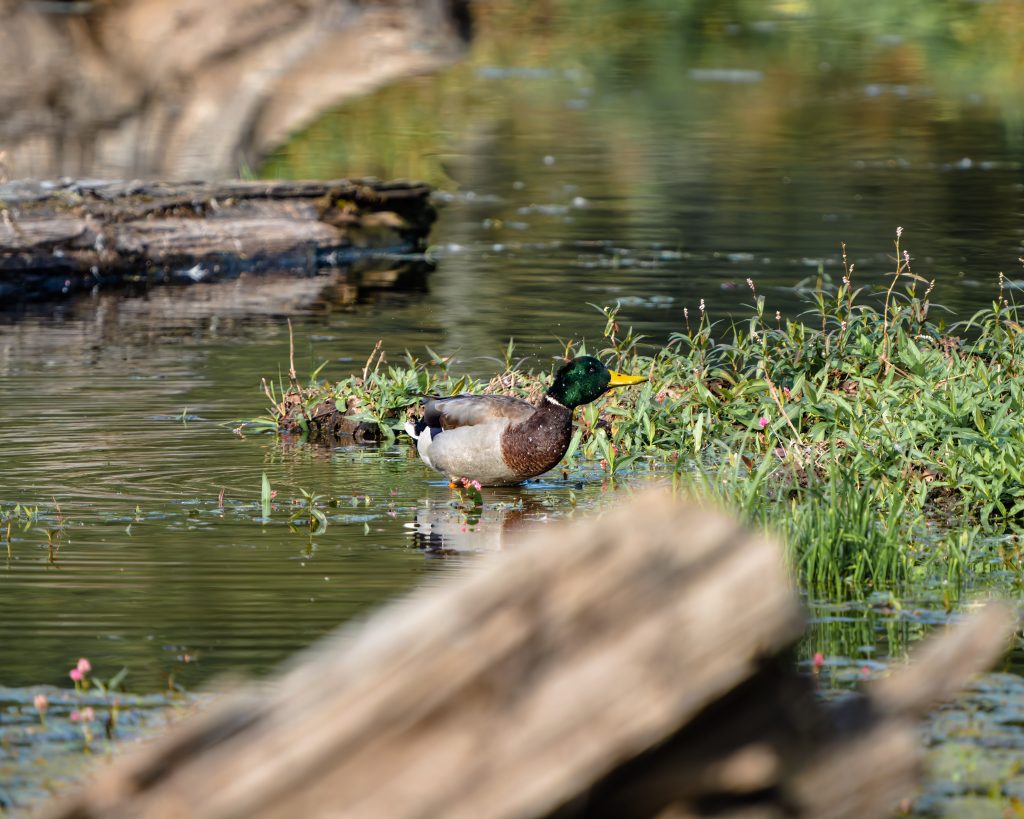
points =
(76, 675)
(84, 665)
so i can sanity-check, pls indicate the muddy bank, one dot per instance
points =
(57, 239)
(196, 89)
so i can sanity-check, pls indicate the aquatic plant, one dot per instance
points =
(85, 717)
(115, 683)
(20, 514)
(266, 494)
(471, 499)
(41, 702)
(308, 516)
(80, 675)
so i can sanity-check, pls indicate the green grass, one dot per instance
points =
(878, 443)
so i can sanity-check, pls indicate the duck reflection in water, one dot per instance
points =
(442, 528)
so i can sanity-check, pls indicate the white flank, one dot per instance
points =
(423, 442)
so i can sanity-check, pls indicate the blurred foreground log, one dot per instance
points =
(59, 239)
(185, 89)
(636, 665)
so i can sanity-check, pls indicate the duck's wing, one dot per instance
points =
(470, 410)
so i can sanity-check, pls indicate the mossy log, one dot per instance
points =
(326, 424)
(635, 665)
(57, 239)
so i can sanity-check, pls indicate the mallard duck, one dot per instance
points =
(499, 440)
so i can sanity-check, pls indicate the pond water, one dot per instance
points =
(655, 158)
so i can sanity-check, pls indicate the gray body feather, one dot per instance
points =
(461, 436)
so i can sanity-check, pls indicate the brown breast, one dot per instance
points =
(538, 443)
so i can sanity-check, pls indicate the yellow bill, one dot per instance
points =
(620, 380)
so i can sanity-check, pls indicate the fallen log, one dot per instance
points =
(637, 665)
(58, 239)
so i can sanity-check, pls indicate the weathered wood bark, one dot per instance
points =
(59, 239)
(771, 749)
(181, 89)
(634, 665)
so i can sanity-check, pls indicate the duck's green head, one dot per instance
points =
(586, 379)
